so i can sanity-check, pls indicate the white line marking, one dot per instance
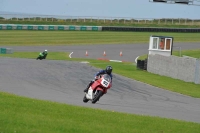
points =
(84, 62)
(116, 60)
(136, 59)
(70, 55)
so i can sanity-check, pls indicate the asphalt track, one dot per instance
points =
(64, 81)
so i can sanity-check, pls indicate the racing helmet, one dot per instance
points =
(109, 69)
(45, 50)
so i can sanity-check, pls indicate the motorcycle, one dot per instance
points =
(41, 56)
(98, 89)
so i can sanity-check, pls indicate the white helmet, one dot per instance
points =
(45, 50)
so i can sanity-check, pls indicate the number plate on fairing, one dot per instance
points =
(105, 83)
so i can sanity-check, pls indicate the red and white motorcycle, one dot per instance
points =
(98, 88)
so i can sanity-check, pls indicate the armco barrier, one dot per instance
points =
(94, 28)
(144, 29)
(49, 27)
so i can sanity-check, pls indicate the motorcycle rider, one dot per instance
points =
(108, 71)
(44, 53)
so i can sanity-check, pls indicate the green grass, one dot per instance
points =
(192, 53)
(129, 70)
(56, 38)
(108, 23)
(25, 115)
(195, 53)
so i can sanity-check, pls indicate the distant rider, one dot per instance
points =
(108, 71)
(45, 53)
(42, 55)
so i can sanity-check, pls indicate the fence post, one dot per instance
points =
(172, 21)
(179, 50)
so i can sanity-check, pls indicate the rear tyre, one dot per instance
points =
(85, 100)
(97, 96)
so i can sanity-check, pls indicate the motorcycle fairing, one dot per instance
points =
(90, 94)
(105, 83)
(41, 54)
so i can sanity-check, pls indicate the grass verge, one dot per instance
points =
(25, 115)
(195, 53)
(57, 38)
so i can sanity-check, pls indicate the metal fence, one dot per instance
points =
(125, 20)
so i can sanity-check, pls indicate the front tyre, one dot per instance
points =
(97, 96)
(85, 100)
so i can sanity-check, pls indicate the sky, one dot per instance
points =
(101, 8)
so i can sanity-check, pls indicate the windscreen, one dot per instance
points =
(107, 77)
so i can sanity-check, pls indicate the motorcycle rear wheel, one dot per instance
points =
(85, 100)
(97, 96)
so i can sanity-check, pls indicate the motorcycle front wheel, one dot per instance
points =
(97, 96)
(85, 100)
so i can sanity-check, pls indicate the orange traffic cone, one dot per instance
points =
(120, 53)
(86, 54)
(104, 53)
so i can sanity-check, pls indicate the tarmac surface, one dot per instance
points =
(64, 81)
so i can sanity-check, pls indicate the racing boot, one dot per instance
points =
(88, 86)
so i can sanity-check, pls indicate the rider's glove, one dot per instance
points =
(96, 77)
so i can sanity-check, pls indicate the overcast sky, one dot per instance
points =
(107, 8)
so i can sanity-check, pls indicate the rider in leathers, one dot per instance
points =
(45, 53)
(108, 71)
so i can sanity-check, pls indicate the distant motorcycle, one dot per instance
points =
(98, 89)
(41, 56)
